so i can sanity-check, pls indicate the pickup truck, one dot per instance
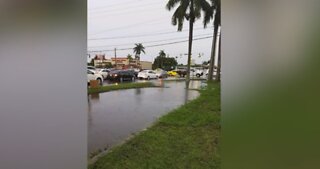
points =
(199, 72)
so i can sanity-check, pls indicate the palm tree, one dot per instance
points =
(137, 50)
(163, 55)
(216, 6)
(189, 10)
(129, 56)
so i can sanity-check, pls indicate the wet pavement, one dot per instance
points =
(114, 116)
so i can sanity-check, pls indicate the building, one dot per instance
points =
(146, 65)
(100, 61)
(125, 63)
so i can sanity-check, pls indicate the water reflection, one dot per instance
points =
(95, 96)
(138, 91)
(114, 116)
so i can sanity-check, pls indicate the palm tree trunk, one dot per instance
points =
(138, 60)
(219, 60)
(213, 51)
(191, 21)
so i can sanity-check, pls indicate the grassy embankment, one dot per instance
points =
(120, 86)
(187, 137)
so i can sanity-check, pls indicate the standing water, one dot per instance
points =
(114, 116)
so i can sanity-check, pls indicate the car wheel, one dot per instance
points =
(100, 81)
(198, 75)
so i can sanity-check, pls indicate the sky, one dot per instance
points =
(120, 24)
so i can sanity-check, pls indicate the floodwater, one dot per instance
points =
(114, 116)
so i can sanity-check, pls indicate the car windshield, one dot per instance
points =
(90, 71)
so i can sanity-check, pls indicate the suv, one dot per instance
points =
(182, 72)
(135, 72)
(104, 73)
(121, 75)
(94, 76)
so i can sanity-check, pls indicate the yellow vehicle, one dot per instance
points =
(172, 73)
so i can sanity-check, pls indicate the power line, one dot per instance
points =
(163, 44)
(179, 42)
(126, 44)
(135, 7)
(132, 25)
(112, 15)
(142, 35)
(111, 5)
(128, 26)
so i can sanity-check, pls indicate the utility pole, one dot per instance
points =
(115, 57)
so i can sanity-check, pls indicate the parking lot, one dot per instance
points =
(108, 82)
(113, 77)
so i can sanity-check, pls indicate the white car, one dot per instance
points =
(91, 68)
(104, 73)
(94, 76)
(147, 74)
(214, 72)
(199, 72)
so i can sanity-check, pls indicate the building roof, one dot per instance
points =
(119, 58)
(100, 57)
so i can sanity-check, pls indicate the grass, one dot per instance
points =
(120, 87)
(187, 137)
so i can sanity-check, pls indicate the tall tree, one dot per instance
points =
(129, 56)
(216, 7)
(138, 49)
(189, 10)
(162, 53)
(163, 62)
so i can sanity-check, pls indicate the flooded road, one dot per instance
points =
(114, 116)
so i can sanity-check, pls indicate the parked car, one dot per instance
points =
(104, 73)
(199, 72)
(135, 72)
(214, 72)
(94, 76)
(147, 74)
(181, 72)
(161, 74)
(121, 75)
(172, 73)
(91, 68)
(192, 72)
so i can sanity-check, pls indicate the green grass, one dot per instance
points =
(185, 138)
(120, 87)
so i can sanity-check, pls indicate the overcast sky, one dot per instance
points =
(123, 23)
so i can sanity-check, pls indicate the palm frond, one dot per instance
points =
(179, 14)
(171, 4)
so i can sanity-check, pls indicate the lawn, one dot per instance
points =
(120, 86)
(187, 137)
